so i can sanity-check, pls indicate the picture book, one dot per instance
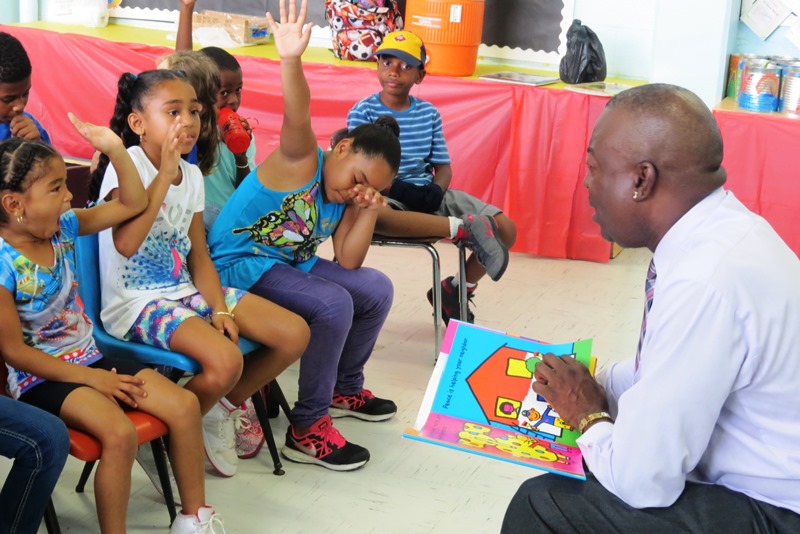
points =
(480, 400)
(524, 78)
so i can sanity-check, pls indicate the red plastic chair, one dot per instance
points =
(84, 447)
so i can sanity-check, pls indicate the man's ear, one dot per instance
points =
(645, 180)
(136, 124)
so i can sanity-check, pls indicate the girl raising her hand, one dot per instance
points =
(266, 238)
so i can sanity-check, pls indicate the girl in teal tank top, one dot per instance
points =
(266, 237)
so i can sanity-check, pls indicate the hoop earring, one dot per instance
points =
(635, 195)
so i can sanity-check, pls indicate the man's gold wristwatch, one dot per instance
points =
(593, 418)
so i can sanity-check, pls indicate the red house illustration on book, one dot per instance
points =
(502, 387)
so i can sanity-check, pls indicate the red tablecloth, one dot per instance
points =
(520, 148)
(761, 157)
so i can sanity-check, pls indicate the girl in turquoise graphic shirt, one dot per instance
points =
(266, 238)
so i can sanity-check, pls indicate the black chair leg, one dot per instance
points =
(51, 519)
(160, 457)
(263, 418)
(276, 395)
(87, 470)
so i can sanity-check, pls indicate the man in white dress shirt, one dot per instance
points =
(700, 432)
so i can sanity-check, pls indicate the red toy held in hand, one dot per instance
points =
(234, 133)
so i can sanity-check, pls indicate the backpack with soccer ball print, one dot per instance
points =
(358, 26)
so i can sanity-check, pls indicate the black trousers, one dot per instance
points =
(553, 503)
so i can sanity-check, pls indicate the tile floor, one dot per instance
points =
(407, 487)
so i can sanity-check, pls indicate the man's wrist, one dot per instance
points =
(593, 418)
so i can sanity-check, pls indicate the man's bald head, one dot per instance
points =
(655, 152)
(676, 131)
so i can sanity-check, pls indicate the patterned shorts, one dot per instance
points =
(161, 317)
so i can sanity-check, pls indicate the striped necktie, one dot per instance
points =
(649, 288)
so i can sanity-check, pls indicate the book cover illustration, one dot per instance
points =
(524, 78)
(480, 400)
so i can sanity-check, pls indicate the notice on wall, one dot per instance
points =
(764, 16)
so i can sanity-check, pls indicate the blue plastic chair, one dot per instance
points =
(172, 364)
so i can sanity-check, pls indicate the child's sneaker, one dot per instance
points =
(144, 456)
(479, 234)
(451, 309)
(219, 440)
(325, 446)
(363, 405)
(248, 433)
(207, 521)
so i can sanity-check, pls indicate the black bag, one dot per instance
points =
(585, 60)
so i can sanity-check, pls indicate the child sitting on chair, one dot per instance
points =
(230, 167)
(15, 86)
(266, 239)
(424, 204)
(159, 285)
(46, 339)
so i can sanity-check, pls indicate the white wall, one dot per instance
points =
(625, 27)
(684, 42)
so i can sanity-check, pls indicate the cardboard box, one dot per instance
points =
(243, 29)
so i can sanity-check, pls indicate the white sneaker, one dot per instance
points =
(219, 441)
(207, 521)
(144, 456)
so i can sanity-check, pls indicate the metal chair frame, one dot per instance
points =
(427, 243)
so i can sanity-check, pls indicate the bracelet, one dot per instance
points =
(226, 314)
(593, 418)
(245, 166)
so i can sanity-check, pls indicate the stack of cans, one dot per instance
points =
(735, 73)
(765, 83)
(760, 85)
(790, 91)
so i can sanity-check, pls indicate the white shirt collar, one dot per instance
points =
(668, 250)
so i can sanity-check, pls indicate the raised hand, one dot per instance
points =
(291, 36)
(100, 137)
(170, 155)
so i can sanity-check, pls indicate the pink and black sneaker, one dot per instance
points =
(247, 431)
(324, 445)
(362, 405)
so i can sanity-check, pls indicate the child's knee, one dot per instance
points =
(120, 436)
(381, 289)
(185, 409)
(296, 338)
(224, 369)
(506, 228)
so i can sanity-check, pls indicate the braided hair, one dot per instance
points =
(14, 63)
(22, 162)
(132, 91)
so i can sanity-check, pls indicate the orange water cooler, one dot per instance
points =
(451, 31)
